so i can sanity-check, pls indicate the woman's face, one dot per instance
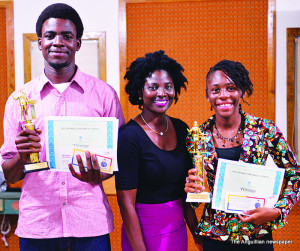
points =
(158, 93)
(223, 94)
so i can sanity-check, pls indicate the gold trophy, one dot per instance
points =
(34, 163)
(199, 153)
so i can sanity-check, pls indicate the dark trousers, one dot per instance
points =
(262, 244)
(99, 243)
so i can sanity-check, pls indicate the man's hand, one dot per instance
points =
(28, 141)
(93, 174)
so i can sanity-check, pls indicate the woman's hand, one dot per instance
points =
(260, 215)
(93, 174)
(192, 183)
(198, 242)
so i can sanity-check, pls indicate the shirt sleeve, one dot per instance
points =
(113, 108)
(128, 160)
(11, 127)
(284, 158)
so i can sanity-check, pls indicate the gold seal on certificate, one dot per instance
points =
(33, 158)
(199, 153)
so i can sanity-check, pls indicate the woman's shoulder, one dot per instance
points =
(206, 125)
(178, 123)
(131, 129)
(254, 121)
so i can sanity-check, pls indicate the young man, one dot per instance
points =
(58, 211)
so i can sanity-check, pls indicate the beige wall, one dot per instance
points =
(102, 15)
(287, 16)
(97, 15)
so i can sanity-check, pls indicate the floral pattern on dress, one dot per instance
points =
(219, 218)
(260, 138)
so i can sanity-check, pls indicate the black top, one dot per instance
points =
(232, 153)
(158, 175)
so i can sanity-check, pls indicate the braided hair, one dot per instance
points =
(143, 67)
(236, 72)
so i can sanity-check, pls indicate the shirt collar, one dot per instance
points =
(78, 78)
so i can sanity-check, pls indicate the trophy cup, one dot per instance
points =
(34, 163)
(199, 153)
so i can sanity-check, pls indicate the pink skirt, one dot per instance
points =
(163, 227)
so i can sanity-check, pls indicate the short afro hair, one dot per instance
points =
(143, 67)
(237, 72)
(63, 11)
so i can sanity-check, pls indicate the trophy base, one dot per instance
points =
(198, 197)
(35, 167)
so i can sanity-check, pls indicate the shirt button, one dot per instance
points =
(64, 203)
(61, 96)
(63, 183)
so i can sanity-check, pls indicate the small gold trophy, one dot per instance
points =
(199, 153)
(34, 163)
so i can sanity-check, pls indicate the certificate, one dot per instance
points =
(242, 186)
(67, 137)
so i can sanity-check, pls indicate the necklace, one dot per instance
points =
(235, 137)
(159, 133)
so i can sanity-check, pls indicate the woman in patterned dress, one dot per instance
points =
(239, 136)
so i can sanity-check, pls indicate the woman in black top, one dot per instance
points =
(152, 159)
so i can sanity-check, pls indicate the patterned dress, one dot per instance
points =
(260, 138)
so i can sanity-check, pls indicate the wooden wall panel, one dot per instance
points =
(291, 34)
(7, 67)
(3, 67)
(198, 34)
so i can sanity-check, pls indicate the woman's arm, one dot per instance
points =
(126, 200)
(260, 215)
(284, 158)
(192, 222)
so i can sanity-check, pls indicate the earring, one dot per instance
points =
(240, 107)
(140, 98)
(211, 108)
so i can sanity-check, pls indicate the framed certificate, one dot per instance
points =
(67, 137)
(242, 186)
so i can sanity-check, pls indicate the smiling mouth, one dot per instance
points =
(161, 102)
(57, 52)
(225, 105)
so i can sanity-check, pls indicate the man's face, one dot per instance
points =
(59, 43)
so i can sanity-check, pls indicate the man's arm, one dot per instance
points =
(13, 169)
(27, 141)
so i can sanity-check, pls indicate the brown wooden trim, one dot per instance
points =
(271, 58)
(166, 1)
(27, 39)
(122, 52)
(271, 51)
(290, 74)
(102, 55)
(100, 36)
(9, 6)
